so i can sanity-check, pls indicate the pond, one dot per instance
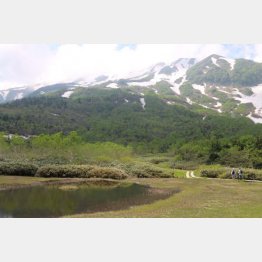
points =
(57, 201)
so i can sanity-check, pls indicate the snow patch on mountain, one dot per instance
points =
(156, 92)
(4, 93)
(218, 105)
(204, 106)
(232, 62)
(221, 89)
(182, 63)
(67, 94)
(199, 88)
(143, 84)
(19, 96)
(145, 74)
(175, 86)
(255, 99)
(143, 103)
(255, 119)
(215, 98)
(258, 112)
(189, 101)
(179, 68)
(214, 61)
(113, 85)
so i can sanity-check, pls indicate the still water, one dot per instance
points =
(57, 201)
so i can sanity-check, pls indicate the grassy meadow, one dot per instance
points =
(198, 198)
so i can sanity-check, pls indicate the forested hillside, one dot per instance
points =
(104, 115)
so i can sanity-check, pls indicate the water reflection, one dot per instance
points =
(56, 201)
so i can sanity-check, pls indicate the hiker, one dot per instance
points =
(240, 173)
(233, 173)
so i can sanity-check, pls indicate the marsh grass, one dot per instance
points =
(198, 198)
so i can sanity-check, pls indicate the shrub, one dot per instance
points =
(210, 173)
(252, 174)
(184, 165)
(226, 175)
(106, 172)
(17, 169)
(158, 160)
(249, 174)
(144, 170)
(85, 171)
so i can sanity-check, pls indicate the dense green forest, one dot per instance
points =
(101, 116)
(243, 151)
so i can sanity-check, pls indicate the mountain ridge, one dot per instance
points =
(225, 85)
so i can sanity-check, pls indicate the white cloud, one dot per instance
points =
(258, 53)
(28, 64)
(86, 61)
(22, 64)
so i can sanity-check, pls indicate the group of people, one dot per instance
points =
(238, 174)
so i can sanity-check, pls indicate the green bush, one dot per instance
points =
(149, 171)
(144, 170)
(158, 160)
(17, 169)
(249, 174)
(184, 165)
(226, 175)
(210, 173)
(252, 174)
(84, 171)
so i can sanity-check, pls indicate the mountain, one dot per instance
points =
(215, 84)
(7, 95)
(149, 117)
(122, 116)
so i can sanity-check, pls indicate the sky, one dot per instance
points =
(22, 65)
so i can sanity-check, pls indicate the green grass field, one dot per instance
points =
(199, 198)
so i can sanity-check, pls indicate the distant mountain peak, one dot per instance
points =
(218, 83)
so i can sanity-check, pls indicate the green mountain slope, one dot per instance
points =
(118, 115)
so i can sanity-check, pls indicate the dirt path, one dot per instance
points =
(193, 176)
(190, 174)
